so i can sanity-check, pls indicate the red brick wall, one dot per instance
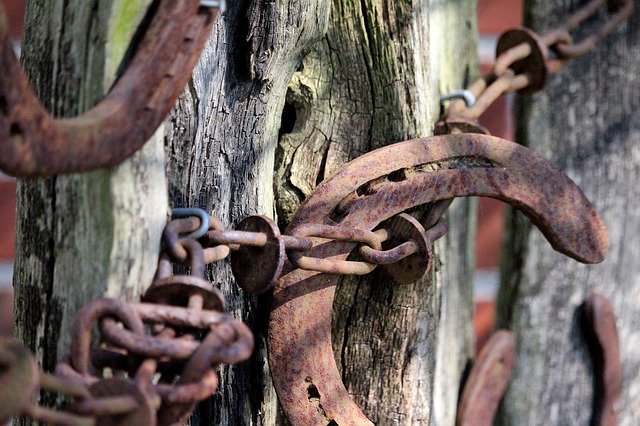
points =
(15, 15)
(15, 11)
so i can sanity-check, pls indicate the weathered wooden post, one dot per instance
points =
(586, 120)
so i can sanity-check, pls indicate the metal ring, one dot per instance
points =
(180, 213)
(221, 5)
(466, 95)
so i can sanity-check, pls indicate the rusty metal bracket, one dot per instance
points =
(374, 188)
(32, 142)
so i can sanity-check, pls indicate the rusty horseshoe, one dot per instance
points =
(601, 333)
(32, 142)
(377, 186)
(487, 381)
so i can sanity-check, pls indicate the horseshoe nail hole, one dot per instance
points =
(313, 393)
(397, 176)
(4, 106)
(15, 129)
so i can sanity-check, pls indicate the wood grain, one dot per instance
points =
(80, 237)
(586, 120)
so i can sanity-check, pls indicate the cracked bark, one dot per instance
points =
(220, 147)
(373, 80)
(81, 237)
(587, 121)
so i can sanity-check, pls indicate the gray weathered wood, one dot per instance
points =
(375, 79)
(83, 236)
(588, 121)
(221, 144)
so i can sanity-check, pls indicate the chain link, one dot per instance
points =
(525, 59)
(162, 351)
(218, 243)
(177, 332)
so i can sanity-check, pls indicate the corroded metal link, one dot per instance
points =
(401, 251)
(385, 257)
(335, 233)
(237, 238)
(220, 242)
(105, 406)
(83, 324)
(523, 62)
(177, 316)
(189, 392)
(231, 343)
(144, 345)
(32, 142)
(52, 417)
(573, 50)
(20, 380)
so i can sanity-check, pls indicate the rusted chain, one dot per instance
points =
(257, 241)
(619, 10)
(32, 142)
(524, 60)
(177, 305)
(20, 381)
(177, 333)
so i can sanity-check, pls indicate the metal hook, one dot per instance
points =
(180, 213)
(215, 4)
(466, 95)
(35, 143)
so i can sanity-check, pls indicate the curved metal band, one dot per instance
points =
(601, 332)
(487, 381)
(300, 353)
(83, 325)
(32, 142)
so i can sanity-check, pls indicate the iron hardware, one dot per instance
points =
(33, 143)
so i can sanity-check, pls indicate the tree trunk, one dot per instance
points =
(586, 120)
(373, 80)
(83, 236)
(221, 145)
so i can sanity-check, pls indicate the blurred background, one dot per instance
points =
(494, 17)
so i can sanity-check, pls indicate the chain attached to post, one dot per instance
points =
(524, 60)
(161, 353)
(161, 375)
